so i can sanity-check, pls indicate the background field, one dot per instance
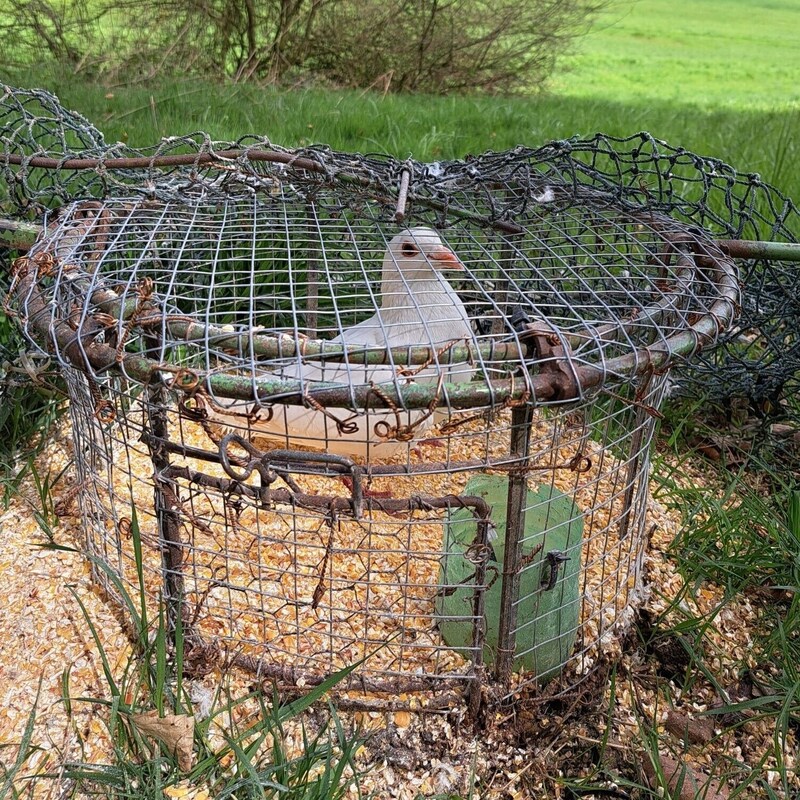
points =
(717, 77)
(741, 54)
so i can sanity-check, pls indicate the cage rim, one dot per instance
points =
(551, 375)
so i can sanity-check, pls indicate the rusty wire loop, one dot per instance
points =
(319, 589)
(434, 358)
(343, 426)
(144, 293)
(403, 432)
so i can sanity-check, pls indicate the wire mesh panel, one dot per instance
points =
(373, 428)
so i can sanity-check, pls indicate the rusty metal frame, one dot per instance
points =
(550, 377)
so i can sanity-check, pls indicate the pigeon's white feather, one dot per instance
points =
(418, 307)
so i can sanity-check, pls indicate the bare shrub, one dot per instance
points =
(239, 39)
(404, 45)
(58, 30)
(441, 46)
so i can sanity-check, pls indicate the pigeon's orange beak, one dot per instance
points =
(444, 258)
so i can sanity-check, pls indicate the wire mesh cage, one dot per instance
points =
(360, 413)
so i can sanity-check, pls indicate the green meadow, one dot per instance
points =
(429, 128)
(718, 77)
(736, 54)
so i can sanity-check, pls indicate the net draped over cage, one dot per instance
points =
(361, 411)
(757, 360)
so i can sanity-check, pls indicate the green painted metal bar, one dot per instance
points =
(772, 251)
(17, 235)
(89, 355)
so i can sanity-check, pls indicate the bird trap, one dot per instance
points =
(375, 417)
(346, 411)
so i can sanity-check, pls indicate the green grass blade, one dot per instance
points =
(179, 642)
(135, 617)
(65, 698)
(794, 518)
(258, 782)
(160, 644)
(136, 540)
(107, 672)
(318, 692)
(25, 749)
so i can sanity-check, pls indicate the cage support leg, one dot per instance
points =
(479, 629)
(166, 508)
(521, 420)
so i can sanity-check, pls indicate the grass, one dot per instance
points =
(718, 78)
(29, 402)
(741, 533)
(735, 54)
(743, 536)
(429, 128)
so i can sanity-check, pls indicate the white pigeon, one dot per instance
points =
(417, 307)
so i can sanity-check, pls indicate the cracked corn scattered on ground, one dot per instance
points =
(283, 585)
(44, 632)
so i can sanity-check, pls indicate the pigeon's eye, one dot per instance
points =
(408, 250)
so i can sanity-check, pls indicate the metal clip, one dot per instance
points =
(553, 561)
(553, 356)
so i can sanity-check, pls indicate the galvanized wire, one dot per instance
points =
(320, 498)
(759, 360)
(337, 450)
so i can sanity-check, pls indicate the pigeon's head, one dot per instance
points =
(420, 250)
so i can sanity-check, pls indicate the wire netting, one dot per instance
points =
(334, 451)
(356, 408)
(758, 360)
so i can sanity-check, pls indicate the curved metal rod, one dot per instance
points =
(548, 384)
(276, 345)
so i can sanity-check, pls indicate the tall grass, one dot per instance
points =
(741, 532)
(427, 127)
